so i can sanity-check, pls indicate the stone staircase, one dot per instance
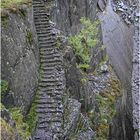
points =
(54, 123)
(50, 90)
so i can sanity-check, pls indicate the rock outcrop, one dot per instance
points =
(20, 58)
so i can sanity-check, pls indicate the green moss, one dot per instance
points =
(22, 127)
(83, 67)
(4, 87)
(4, 21)
(7, 132)
(106, 108)
(29, 36)
(13, 5)
(31, 118)
(84, 41)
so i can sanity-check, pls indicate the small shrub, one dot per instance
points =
(22, 127)
(84, 41)
(31, 118)
(4, 86)
(29, 36)
(7, 132)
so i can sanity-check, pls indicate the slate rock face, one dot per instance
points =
(20, 59)
(70, 12)
(136, 82)
(76, 126)
(118, 37)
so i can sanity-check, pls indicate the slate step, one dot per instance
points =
(45, 44)
(46, 60)
(40, 23)
(44, 116)
(46, 32)
(39, 14)
(47, 84)
(50, 120)
(54, 80)
(49, 50)
(50, 55)
(47, 101)
(47, 68)
(48, 111)
(47, 40)
(48, 106)
(41, 20)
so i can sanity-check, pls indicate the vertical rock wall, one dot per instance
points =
(20, 60)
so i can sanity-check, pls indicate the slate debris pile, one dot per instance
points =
(128, 12)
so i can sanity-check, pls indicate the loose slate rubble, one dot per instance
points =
(128, 12)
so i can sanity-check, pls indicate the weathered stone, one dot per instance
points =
(20, 57)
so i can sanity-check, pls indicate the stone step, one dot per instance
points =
(50, 89)
(48, 111)
(51, 36)
(38, 4)
(45, 44)
(49, 50)
(44, 116)
(49, 120)
(51, 54)
(54, 80)
(47, 101)
(47, 68)
(44, 73)
(45, 28)
(42, 20)
(46, 33)
(47, 84)
(47, 40)
(39, 14)
(42, 23)
(45, 61)
(48, 106)
(57, 98)
(50, 77)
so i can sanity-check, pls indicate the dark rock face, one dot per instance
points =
(70, 12)
(118, 37)
(72, 74)
(76, 126)
(20, 59)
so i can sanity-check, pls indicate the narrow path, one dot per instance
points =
(49, 104)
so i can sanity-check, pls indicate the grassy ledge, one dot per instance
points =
(13, 5)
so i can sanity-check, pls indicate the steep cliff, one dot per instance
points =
(20, 57)
(42, 79)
